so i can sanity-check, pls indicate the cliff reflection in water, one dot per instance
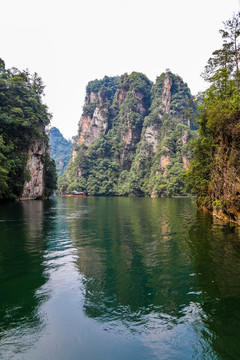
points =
(134, 257)
(154, 265)
(22, 228)
(143, 278)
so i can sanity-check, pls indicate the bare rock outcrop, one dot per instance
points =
(167, 95)
(34, 187)
(91, 126)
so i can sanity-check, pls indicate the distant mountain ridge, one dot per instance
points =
(133, 137)
(60, 150)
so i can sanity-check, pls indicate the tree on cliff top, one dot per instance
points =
(23, 118)
(220, 111)
(222, 69)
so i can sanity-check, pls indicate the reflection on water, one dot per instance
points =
(117, 278)
(22, 244)
(130, 258)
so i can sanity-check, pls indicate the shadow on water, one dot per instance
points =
(215, 253)
(23, 228)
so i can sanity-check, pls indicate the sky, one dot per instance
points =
(69, 43)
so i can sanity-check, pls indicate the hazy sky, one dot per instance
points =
(69, 43)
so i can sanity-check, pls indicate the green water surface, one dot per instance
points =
(117, 278)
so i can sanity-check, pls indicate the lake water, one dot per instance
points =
(117, 278)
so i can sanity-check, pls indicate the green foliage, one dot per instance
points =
(219, 123)
(88, 110)
(121, 162)
(138, 84)
(23, 118)
(182, 104)
(50, 175)
(99, 172)
(4, 168)
(107, 86)
(60, 150)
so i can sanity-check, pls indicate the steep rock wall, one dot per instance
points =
(224, 188)
(34, 188)
(91, 126)
(214, 174)
(166, 133)
(132, 111)
(166, 94)
(135, 141)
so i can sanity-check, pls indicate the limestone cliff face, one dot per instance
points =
(121, 95)
(166, 94)
(140, 132)
(186, 156)
(122, 108)
(94, 120)
(160, 136)
(163, 98)
(151, 137)
(224, 188)
(34, 188)
(132, 110)
(215, 171)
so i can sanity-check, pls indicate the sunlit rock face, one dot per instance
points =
(91, 126)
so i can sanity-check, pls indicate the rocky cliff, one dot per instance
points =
(92, 125)
(94, 121)
(214, 173)
(222, 198)
(163, 150)
(131, 106)
(26, 170)
(40, 170)
(34, 186)
(133, 137)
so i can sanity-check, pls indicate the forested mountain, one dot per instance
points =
(133, 137)
(214, 174)
(60, 150)
(26, 169)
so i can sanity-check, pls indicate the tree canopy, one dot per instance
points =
(217, 146)
(23, 118)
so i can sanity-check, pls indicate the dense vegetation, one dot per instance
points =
(171, 128)
(214, 174)
(60, 150)
(23, 118)
(121, 161)
(106, 88)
